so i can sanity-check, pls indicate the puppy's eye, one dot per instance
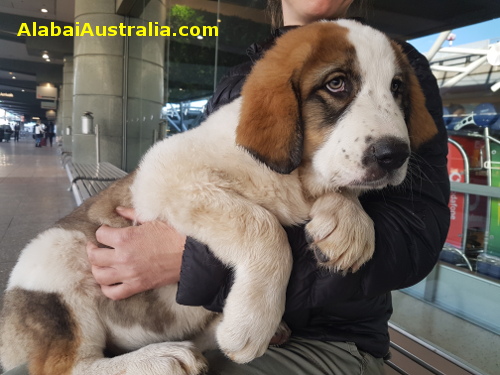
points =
(336, 85)
(396, 85)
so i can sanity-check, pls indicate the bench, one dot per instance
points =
(87, 180)
(65, 157)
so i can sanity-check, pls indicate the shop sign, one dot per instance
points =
(46, 92)
(48, 105)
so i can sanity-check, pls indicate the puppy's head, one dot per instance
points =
(337, 96)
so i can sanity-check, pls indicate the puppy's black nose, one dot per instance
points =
(390, 153)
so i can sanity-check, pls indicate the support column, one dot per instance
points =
(98, 83)
(66, 115)
(145, 89)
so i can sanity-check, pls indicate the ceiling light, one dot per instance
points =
(45, 55)
(10, 73)
(44, 10)
(13, 77)
(199, 37)
(495, 87)
(47, 59)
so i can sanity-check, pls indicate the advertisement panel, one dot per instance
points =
(494, 230)
(456, 171)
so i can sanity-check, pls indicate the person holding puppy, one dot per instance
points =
(338, 322)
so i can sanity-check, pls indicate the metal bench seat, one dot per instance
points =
(87, 180)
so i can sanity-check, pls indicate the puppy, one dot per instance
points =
(332, 110)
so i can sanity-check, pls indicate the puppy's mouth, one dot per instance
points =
(378, 180)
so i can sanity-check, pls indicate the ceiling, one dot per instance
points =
(20, 56)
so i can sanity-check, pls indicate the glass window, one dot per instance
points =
(204, 41)
(456, 308)
(196, 63)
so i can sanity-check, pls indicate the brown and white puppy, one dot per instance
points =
(332, 110)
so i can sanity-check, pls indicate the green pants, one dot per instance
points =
(297, 357)
(302, 357)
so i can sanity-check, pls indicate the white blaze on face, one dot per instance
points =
(372, 115)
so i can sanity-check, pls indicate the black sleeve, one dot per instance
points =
(204, 281)
(229, 87)
(411, 222)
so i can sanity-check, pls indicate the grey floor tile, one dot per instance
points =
(33, 196)
(448, 332)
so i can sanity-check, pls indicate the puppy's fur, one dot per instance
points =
(329, 112)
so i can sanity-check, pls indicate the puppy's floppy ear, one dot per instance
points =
(421, 125)
(270, 125)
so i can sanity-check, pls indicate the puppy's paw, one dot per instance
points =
(342, 234)
(247, 328)
(173, 358)
(242, 341)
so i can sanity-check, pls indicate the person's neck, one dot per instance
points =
(292, 21)
(290, 18)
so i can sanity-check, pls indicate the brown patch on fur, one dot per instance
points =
(101, 209)
(145, 309)
(315, 136)
(148, 310)
(44, 325)
(271, 125)
(421, 125)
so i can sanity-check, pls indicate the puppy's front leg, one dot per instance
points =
(343, 234)
(251, 240)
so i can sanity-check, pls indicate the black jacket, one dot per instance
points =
(411, 223)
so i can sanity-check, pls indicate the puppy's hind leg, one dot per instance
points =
(39, 328)
(173, 358)
(57, 338)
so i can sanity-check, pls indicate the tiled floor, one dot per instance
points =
(33, 195)
(478, 348)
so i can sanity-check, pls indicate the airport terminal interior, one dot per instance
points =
(108, 98)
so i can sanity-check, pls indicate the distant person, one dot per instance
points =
(38, 133)
(49, 132)
(43, 141)
(2, 132)
(17, 128)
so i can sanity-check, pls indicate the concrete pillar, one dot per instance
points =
(116, 76)
(66, 110)
(145, 90)
(98, 83)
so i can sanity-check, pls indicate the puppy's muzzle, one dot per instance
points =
(386, 155)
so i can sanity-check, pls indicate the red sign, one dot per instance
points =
(456, 172)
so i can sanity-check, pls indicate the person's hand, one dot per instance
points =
(141, 257)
